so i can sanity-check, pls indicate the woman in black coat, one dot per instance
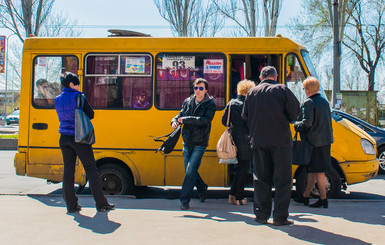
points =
(240, 134)
(315, 126)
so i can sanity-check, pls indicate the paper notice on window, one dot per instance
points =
(42, 61)
(176, 61)
(135, 64)
(213, 66)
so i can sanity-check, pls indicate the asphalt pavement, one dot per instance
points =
(34, 213)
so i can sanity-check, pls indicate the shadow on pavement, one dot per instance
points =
(368, 212)
(98, 224)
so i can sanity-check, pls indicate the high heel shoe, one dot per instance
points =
(242, 202)
(320, 203)
(302, 199)
(232, 200)
(106, 207)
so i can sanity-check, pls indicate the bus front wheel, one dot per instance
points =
(115, 180)
(333, 184)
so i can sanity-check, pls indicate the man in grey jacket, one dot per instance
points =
(268, 110)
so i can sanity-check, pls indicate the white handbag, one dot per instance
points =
(226, 149)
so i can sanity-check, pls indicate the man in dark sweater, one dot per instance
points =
(268, 110)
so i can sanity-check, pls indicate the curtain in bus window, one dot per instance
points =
(137, 92)
(102, 65)
(173, 85)
(174, 81)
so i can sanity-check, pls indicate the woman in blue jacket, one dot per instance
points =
(65, 105)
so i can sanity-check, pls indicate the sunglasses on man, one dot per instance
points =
(200, 88)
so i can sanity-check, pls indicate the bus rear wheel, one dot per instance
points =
(115, 180)
(333, 184)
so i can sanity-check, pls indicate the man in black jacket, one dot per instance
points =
(196, 114)
(268, 109)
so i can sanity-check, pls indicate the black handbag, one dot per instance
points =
(169, 144)
(84, 130)
(302, 151)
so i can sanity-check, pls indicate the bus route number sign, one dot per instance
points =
(173, 61)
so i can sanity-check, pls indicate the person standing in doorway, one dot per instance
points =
(196, 115)
(65, 105)
(268, 109)
(240, 134)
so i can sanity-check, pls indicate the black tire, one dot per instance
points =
(381, 159)
(115, 180)
(333, 184)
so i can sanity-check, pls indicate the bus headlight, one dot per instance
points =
(367, 147)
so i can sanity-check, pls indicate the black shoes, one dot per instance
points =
(106, 207)
(185, 206)
(284, 222)
(302, 199)
(76, 209)
(261, 221)
(202, 195)
(320, 203)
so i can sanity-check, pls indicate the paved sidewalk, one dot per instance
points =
(42, 219)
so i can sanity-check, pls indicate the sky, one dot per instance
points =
(96, 17)
(137, 15)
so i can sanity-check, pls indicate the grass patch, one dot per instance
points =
(9, 136)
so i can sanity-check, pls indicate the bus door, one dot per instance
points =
(249, 67)
(44, 155)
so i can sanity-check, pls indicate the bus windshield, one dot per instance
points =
(312, 71)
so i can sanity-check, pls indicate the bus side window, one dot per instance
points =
(175, 73)
(118, 81)
(46, 82)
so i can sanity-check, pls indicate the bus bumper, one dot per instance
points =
(357, 172)
(20, 163)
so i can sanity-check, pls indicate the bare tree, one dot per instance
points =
(206, 21)
(314, 25)
(365, 35)
(247, 14)
(271, 9)
(24, 17)
(60, 25)
(243, 12)
(190, 17)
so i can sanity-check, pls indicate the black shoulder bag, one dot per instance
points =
(169, 144)
(84, 130)
(302, 151)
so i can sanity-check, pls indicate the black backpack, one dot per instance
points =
(169, 144)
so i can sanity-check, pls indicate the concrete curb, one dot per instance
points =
(8, 144)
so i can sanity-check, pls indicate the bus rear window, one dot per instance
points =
(175, 73)
(121, 81)
(46, 80)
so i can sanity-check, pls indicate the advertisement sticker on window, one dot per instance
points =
(42, 61)
(213, 66)
(176, 61)
(135, 64)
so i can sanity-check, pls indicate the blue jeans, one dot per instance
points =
(192, 160)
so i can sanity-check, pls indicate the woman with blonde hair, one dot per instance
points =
(240, 134)
(315, 125)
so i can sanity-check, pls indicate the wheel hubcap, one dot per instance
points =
(381, 159)
(111, 183)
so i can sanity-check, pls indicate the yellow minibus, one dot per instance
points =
(136, 85)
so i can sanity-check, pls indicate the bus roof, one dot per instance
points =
(180, 44)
